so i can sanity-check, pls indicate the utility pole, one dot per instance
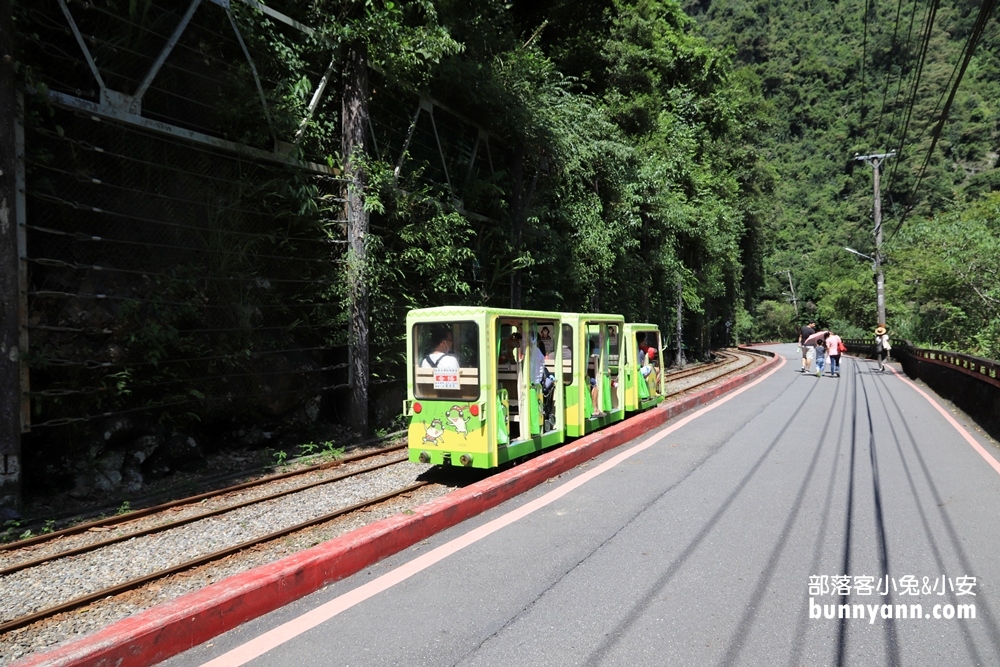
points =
(795, 302)
(873, 162)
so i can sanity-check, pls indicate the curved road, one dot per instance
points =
(724, 538)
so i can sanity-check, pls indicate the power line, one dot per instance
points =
(915, 85)
(864, 58)
(897, 107)
(888, 74)
(985, 10)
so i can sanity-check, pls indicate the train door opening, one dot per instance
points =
(526, 379)
(603, 369)
(649, 360)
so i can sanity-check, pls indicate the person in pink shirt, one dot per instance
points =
(833, 349)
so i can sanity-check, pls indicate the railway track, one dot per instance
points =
(131, 517)
(132, 584)
(30, 558)
(726, 363)
(27, 565)
(125, 519)
(721, 358)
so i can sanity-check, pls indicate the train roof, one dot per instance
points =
(451, 312)
(595, 316)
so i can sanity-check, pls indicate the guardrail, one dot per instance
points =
(949, 374)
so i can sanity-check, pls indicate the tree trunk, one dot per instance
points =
(354, 120)
(10, 297)
(517, 222)
(645, 253)
(680, 328)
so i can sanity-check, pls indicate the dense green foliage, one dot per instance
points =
(841, 82)
(629, 167)
(639, 151)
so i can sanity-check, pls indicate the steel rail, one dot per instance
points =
(191, 519)
(678, 374)
(202, 560)
(735, 356)
(129, 516)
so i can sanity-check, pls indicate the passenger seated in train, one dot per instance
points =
(548, 382)
(595, 399)
(440, 355)
(508, 349)
(644, 348)
(650, 372)
(538, 362)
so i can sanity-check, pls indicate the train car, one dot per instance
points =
(595, 392)
(489, 385)
(643, 355)
(484, 385)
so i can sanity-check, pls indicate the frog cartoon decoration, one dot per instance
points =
(456, 416)
(434, 432)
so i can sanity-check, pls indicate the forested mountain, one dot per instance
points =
(853, 77)
(723, 138)
(675, 161)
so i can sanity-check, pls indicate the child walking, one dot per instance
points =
(820, 356)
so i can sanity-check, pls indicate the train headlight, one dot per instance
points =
(425, 457)
(474, 409)
(466, 460)
(417, 407)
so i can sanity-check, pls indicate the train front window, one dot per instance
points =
(647, 341)
(446, 360)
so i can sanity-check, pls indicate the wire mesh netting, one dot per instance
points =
(167, 275)
(180, 280)
(185, 232)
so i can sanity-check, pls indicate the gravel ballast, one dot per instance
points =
(56, 582)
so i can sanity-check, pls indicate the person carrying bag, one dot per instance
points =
(882, 347)
(835, 347)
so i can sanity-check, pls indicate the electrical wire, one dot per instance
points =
(65, 421)
(166, 169)
(864, 59)
(915, 84)
(258, 281)
(246, 330)
(138, 386)
(888, 74)
(190, 304)
(93, 364)
(186, 202)
(85, 237)
(985, 10)
(897, 107)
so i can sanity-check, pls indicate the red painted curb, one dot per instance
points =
(173, 627)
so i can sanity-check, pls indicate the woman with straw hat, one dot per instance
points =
(882, 346)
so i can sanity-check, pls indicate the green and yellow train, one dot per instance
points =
(489, 385)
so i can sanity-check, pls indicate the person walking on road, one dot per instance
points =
(882, 347)
(804, 333)
(834, 348)
(821, 354)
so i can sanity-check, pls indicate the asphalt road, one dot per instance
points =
(723, 540)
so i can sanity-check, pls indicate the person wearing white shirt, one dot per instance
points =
(441, 356)
(882, 346)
